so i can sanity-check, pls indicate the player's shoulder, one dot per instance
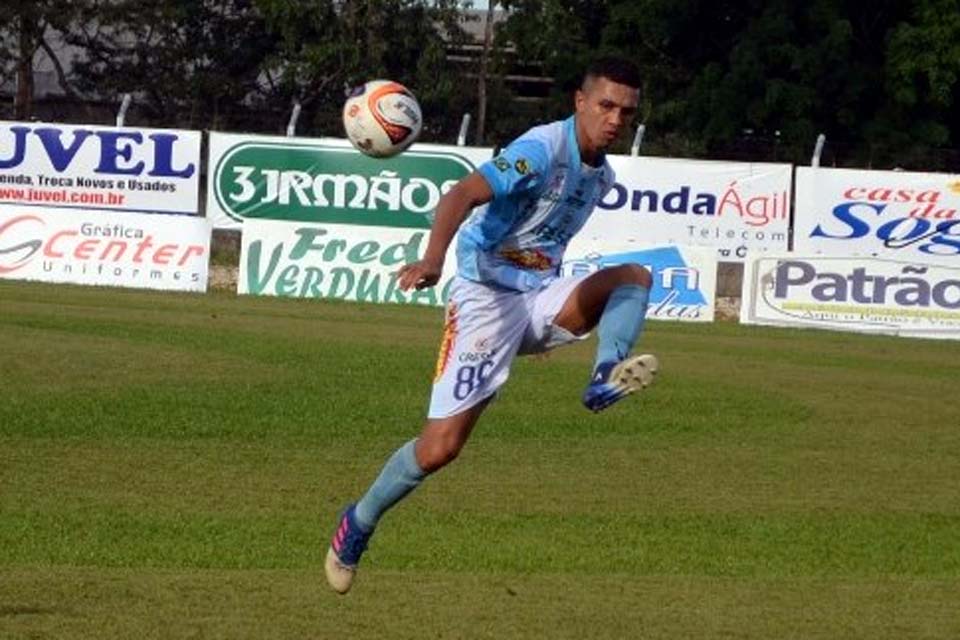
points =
(550, 135)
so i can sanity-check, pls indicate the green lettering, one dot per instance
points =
(344, 276)
(287, 280)
(333, 248)
(311, 282)
(305, 242)
(256, 284)
(403, 252)
(368, 289)
(363, 252)
(393, 293)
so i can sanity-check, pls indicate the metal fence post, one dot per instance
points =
(637, 140)
(817, 150)
(294, 116)
(464, 125)
(122, 112)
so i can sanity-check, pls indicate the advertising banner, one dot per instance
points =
(892, 214)
(871, 295)
(94, 167)
(737, 208)
(149, 251)
(343, 262)
(326, 180)
(684, 278)
(358, 263)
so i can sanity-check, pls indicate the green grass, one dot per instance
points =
(171, 466)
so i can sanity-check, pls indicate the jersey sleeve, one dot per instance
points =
(519, 167)
(609, 181)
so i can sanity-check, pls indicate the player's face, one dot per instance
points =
(604, 109)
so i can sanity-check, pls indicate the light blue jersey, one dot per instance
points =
(542, 195)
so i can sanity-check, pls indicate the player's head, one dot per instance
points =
(606, 102)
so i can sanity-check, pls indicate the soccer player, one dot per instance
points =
(508, 298)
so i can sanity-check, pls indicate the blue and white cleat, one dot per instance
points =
(348, 544)
(613, 380)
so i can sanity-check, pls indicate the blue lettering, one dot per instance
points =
(705, 205)
(60, 157)
(790, 272)
(887, 232)
(844, 213)
(638, 195)
(110, 149)
(163, 157)
(20, 148)
(948, 240)
(677, 201)
(621, 195)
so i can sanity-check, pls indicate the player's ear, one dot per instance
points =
(579, 98)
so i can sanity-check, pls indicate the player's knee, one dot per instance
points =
(633, 274)
(437, 452)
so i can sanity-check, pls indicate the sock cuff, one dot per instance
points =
(630, 290)
(628, 294)
(408, 455)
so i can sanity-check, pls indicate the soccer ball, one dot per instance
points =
(381, 118)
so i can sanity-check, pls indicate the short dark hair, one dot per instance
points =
(616, 69)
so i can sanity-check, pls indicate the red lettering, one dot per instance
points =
(164, 253)
(881, 195)
(853, 193)
(85, 248)
(120, 246)
(192, 250)
(141, 247)
(48, 250)
(731, 197)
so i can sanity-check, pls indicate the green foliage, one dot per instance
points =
(771, 75)
(751, 79)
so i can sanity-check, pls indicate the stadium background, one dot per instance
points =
(169, 462)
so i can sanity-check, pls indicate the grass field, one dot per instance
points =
(171, 466)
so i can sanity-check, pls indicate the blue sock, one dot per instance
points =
(621, 322)
(400, 475)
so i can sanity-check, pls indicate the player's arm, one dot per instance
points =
(451, 211)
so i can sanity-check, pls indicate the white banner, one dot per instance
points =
(327, 181)
(684, 278)
(893, 214)
(871, 295)
(737, 208)
(149, 251)
(93, 167)
(344, 262)
(359, 263)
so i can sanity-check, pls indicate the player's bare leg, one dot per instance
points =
(615, 300)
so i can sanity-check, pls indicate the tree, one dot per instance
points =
(240, 64)
(187, 63)
(326, 47)
(922, 70)
(759, 79)
(26, 27)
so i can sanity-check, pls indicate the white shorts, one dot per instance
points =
(486, 327)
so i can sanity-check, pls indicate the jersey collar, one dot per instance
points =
(570, 126)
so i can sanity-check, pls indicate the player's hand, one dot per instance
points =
(420, 274)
